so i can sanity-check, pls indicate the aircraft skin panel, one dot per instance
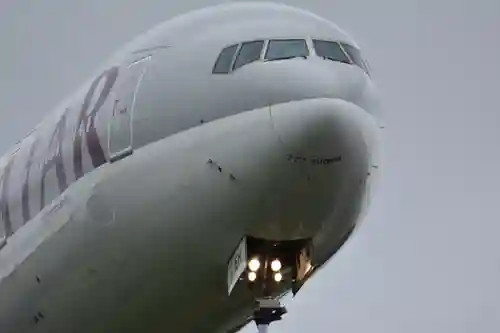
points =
(134, 240)
(172, 97)
(120, 211)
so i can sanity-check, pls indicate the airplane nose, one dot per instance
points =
(299, 79)
(331, 144)
(324, 131)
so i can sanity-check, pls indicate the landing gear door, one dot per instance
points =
(236, 265)
(121, 123)
(3, 224)
(3, 236)
(304, 268)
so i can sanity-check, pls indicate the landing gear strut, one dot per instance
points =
(266, 312)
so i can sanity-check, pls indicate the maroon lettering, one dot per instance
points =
(25, 194)
(86, 124)
(4, 192)
(85, 132)
(56, 159)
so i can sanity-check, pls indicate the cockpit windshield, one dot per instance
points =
(236, 56)
(338, 51)
(223, 63)
(249, 52)
(330, 50)
(286, 49)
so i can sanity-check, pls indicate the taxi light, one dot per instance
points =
(254, 264)
(278, 277)
(276, 265)
(252, 276)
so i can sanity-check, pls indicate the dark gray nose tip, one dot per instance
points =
(323, 128)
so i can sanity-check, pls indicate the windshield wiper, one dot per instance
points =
(335, 59)
(288, 57)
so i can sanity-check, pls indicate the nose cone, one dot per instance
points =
(331, 144)
(325, 128)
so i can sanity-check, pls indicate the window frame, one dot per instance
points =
(229, 69)
(235, 55)
(240, 46)
(305, 39)
(309, 42)
(363, 66)
(339, 43)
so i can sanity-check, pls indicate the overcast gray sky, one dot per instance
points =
(428, 256)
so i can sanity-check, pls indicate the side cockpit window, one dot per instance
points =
(355, 56)
(249, 52)
(330, 50)
(338, 51)
(286, 49)
(225, 59)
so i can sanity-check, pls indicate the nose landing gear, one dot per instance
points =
(269, 269)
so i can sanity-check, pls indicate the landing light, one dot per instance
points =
(254, 264)
(278, 277)
(252, 276)
(276, 265)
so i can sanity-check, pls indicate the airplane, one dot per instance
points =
(209, 167)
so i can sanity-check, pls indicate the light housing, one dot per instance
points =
(276, 265)
(252, 276)
(254, 264)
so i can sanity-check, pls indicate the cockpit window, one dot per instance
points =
(330, 50)
(223, 63)
(237, 55)
(355, 56)
(286, 49)
(249, 52)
